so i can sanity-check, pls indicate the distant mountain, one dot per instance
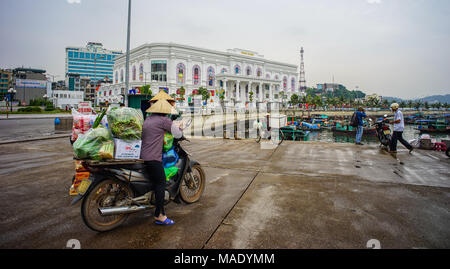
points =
(391, 99)
(436, 98)
(430, 99)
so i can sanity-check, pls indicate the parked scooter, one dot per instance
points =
(383, 131)
(116, 189)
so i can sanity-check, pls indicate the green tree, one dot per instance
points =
(204, 93)
(409, 103)
(295, 99)
(317, 101)
(145, 90)
(418, 104)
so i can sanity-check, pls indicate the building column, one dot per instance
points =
(249, 90)
(271, 92)
(225, 89)
(261, 92)
(238, 91)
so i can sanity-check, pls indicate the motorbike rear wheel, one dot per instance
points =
(105, 194)
(191, 189)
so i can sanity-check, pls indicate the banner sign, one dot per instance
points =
(29, 83)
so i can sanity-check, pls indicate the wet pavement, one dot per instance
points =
(298, 195)
(26, 128)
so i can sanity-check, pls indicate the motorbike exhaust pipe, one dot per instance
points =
(109, 211)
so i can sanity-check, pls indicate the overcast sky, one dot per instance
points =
(390, 47)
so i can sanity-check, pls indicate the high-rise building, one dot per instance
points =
(29, 84)
(93, 62)
(5, 82)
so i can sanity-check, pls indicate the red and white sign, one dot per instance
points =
(85, 107)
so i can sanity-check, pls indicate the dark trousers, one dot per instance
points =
(398, 136)
(155, 172)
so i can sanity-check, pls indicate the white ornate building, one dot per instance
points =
(238, 72)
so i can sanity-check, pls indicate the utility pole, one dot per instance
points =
(127, 64)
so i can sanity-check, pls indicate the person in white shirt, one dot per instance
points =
(399, 127)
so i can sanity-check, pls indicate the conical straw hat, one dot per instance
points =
(162, 106)
(162, 95)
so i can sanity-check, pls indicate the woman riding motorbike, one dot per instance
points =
(155, 126)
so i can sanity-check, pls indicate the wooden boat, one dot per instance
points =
(346, 129)
(292, 133)
(434, 130)
(439, 126)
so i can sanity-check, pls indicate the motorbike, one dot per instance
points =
(117, 188)
(383, 131)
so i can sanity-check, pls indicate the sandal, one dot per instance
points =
(167, 222)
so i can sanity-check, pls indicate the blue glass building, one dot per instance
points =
(93, 62)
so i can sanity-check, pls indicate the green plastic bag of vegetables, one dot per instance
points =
(168, 142)
(95, 144)
(170, 172)
(125, 122)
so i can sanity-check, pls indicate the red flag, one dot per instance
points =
(97, 88)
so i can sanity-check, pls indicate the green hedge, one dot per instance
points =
(30, 109)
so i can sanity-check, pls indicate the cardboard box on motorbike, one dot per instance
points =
(127, 149)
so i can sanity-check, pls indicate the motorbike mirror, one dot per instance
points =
(186, 122)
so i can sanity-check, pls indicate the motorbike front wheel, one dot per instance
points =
(107, 193)
(193, 185)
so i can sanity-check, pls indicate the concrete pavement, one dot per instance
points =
(299, 195)
(35, 116)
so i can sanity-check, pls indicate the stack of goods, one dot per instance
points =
(125, 122)
(126, 127)
(95, 144)
(82, 122)
(169, 157)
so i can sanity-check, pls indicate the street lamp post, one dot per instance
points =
(11, 92)
(127, 64)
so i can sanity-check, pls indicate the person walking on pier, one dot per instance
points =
(360, 114)
(399, 127)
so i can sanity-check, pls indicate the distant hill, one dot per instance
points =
(430, 99)
(391, 99)
(436, 98)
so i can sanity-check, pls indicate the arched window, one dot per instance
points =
(141, 72)
(117, 77)
(134, 72)
(293, 84)
(258, 72)
(211, 76)
(223, 71)
(121, 75)
(237, 69)
(181, 70)
(277, 77)
(248, 71)
(284, 83)
(268, 76)
(196, 75)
